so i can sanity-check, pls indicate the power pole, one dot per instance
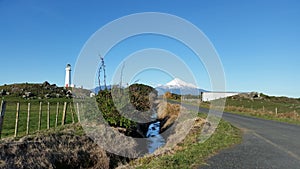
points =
(104, 73)
(121, 77)
(99, 74)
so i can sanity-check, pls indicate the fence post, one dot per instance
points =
(64, 114)
(2, 112)
(48, 116)
(263, 108)
(40, 117)
(78, 113)
(72, 113)
(276, 111)
(28, 119)
(82, 109)
(57, 110)
(17, 119)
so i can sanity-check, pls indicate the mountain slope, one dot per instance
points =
(178, 86)
(178, 83)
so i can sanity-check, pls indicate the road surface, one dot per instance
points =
(266, 144)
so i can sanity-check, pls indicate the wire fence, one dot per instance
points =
(22, 118)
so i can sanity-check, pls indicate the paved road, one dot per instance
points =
(266, 144)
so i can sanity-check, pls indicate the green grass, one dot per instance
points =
(10, 115)
(193, 153)
(288, 109)
(269, 117)
(283, 105)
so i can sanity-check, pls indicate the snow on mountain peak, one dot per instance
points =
(180, 83)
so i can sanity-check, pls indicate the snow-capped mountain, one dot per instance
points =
(179, 86)
(178, 83)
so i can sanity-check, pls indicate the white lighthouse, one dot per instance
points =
(68, 76)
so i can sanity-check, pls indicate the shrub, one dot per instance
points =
(109, 111)
(139, 102)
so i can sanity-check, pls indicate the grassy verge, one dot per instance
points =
(268, 117)
(191, 153)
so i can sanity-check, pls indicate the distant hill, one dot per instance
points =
(35, 91)
(97, 89)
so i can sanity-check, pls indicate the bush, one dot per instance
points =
(142, 96)
(140, 100)
(169, 95)
(109, 111)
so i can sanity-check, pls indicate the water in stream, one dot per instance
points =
(155, 140)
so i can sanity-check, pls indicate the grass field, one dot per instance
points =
(281, 109)
(283, 105)
(10, 115)
(272, 108)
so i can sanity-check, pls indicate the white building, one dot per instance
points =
(209, 96)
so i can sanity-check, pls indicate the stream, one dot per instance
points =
(154, 139)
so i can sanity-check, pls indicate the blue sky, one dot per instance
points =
(257, 41)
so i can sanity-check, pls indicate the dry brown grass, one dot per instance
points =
(167, 113)
(177, 122)
(181, 132)
(62, 149)
(113, 140)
